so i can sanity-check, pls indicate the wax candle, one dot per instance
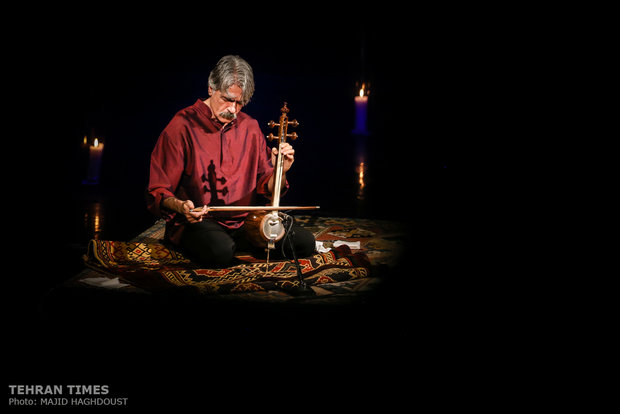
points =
(361, 112)
(94, 161)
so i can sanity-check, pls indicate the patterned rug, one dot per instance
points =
(155, 267)
(145, 262)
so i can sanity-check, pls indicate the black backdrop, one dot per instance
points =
(125, 79)
(124, 83)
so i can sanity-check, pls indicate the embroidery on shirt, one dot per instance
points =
(212, 179)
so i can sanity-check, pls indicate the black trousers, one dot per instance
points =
(210, 244)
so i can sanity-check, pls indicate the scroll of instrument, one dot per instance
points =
(264, 224)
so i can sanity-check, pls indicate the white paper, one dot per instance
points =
(353, 245)
(104, 282)
(320, 248)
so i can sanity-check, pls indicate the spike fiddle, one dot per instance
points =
(264, 224)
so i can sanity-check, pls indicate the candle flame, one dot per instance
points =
(96, 143)
(363, 90)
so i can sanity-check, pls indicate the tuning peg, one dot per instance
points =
(293, 123)
(271, 137)
(272, 124)
(292, 136)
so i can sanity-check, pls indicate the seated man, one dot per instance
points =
(213, 144)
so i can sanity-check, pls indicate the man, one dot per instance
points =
(212, 154)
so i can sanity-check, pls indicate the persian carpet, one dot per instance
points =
(153, 266)
(146, 263)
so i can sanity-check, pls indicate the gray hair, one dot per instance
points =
(233, 70)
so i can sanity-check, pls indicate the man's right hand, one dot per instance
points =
(186, 208)
(193, 215)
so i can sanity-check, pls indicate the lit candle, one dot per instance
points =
(361, 112)
(94, 161)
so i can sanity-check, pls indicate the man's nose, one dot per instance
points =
(233, 107)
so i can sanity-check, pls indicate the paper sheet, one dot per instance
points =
(323, 249)
(352, 245)
(104, 282)
(320, 248)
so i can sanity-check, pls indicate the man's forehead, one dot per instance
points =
(234, 92)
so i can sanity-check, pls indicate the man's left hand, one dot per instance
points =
(287, 152)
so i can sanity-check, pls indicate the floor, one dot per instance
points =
(168, 347)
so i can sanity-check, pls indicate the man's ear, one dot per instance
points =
(210, 91)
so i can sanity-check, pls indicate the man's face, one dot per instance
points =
(226, 105)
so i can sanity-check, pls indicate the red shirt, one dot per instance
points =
(198, 158)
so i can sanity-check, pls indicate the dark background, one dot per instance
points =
(122, 79)
(123, 85)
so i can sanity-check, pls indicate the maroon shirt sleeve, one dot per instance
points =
(167, 161)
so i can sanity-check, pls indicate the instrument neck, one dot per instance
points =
(279, 167)
(277, 186)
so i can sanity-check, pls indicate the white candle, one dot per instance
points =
(95, 153)
(361, 112)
